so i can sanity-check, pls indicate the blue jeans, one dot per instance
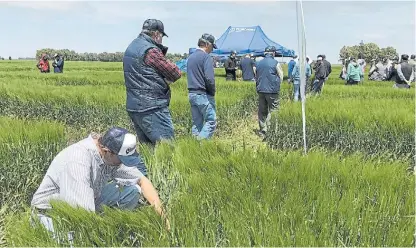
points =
(122, 197)
(204, 118)
(153, 126)
(296, 90)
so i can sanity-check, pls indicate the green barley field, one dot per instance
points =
(355, 187)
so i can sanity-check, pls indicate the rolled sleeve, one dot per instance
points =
(163, 66)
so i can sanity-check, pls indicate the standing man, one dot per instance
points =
(95, 172)
(320, 75)
(269, 75)
(405, 73)
(231, 67)
(248, 67)
(327, 67)
(58, 64)
(147, 75)
(201, 87)
(361, 62)
(290, 67)
(296, 79)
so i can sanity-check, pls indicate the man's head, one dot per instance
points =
(118, 146)
(412, 56)
(307, 59)
(233, 54)
(155, 29)
(270, 50)
(323, 56)
(207, 42)
(405, 57)
(295, 56)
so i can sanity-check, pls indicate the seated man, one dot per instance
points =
(90, 174)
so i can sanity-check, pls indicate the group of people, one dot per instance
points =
(44, 66)
(401, 72)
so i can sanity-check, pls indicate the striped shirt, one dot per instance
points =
(77, 176)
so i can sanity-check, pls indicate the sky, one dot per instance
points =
(109, 26)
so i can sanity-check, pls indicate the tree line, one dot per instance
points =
(71, 55)
(369, 51)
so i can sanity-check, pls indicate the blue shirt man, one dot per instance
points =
(290, 67)
(248, 68)
(296, 78)
(201, 87)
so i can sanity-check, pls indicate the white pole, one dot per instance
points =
(302, 61)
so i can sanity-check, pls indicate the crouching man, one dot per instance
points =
(92, 172)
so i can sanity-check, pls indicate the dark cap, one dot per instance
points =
(270, 49)
(154, 25)
(405, 57)
(121, 142)
(209, 38)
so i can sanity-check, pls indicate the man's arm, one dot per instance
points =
(158, 61)
(400, 73)
(279, 71)
(76, 186)
(209, 76)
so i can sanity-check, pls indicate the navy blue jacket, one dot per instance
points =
(200, 73)
(146, 89)
(247, 69)
(59, 66)
(267, 78)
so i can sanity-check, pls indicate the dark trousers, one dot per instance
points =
(317, 85)
(351, 82)
(153, 126)
(268, 102)
(230, 75)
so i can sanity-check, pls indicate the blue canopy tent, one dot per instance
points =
(246, 40)
(181, 64)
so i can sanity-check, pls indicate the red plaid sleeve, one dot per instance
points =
(158, 61)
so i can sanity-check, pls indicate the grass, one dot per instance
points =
(352, 189)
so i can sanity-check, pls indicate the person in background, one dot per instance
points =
(290, 67)
(43, 64)
(412, 62)
(231, 67)
(378, 72)
(405, 73)
(201, 87)
(354, 72)
(269, 75)
(248, 68)
(361, 62)
(320, 75)
(296, 78)
(327, 66)
(58, 63)
(392, 73)
(148, 75)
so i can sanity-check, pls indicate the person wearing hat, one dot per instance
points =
(201, 88)
(58, 63)
(148, 75)
(269, 75)
(405, 73)
(96, 171)
(290, 67)
(231, 67)
(412, 62)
